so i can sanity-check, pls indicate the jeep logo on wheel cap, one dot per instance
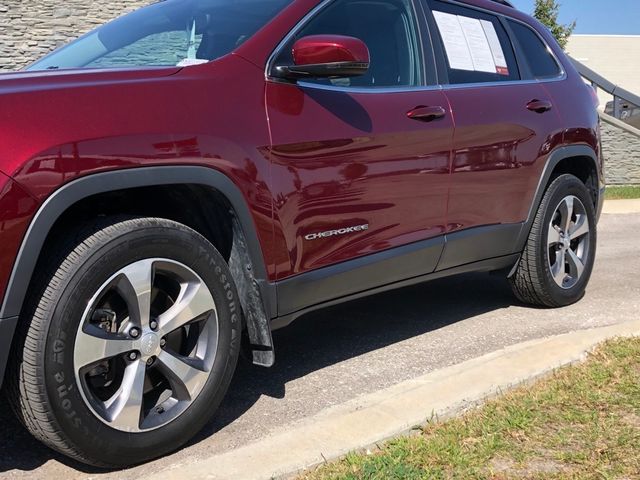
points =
(150, 344)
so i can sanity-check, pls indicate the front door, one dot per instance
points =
(352, 172)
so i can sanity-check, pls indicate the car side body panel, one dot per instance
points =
(499, 151)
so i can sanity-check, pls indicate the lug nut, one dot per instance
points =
(153, 324)
(134, 333)
(163, 342)
(151, 361)
(133, 356)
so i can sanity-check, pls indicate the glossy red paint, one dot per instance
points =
(368, 164)
(318, 49)
(16, 209)
(93, 121)
(573, 101)
(499, 151)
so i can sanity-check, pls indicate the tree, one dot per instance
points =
(547, 12)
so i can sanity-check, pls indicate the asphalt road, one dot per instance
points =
(335, 355)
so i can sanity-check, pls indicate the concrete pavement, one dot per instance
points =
(622, 206)
(364, 421)
(349, 352)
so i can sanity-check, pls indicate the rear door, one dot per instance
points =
(353, 174)
(505, 128)
(573, 103)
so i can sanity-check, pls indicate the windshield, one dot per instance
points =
(167, 33)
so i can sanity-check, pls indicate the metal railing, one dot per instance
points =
(619, 94)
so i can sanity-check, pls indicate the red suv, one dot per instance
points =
(190, 177)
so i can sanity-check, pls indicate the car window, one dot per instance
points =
(539, 57)
(475, 45)
(167, 33)
(387, 27)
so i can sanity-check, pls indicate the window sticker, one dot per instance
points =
(478, 45)
(471, 44)
(189, 62)
(455, 43)
(496, 47)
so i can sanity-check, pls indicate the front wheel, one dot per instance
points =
(129, 343)
(558, 259)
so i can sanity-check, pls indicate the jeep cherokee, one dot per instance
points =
(191, 176)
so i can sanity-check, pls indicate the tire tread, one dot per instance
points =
(26, 391)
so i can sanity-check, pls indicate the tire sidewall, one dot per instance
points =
(77, 422)
(562, 187)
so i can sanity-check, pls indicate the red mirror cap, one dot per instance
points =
(321, 49)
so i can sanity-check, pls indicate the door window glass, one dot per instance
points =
(538, 55)
(387, 27)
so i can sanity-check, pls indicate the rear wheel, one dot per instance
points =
(130, 345)
(558, 258)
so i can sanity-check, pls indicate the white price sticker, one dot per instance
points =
(478, 45)
(455, 43)
(496, 48)
(471, 44)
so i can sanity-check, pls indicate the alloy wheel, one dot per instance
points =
(146, 345)
(568, 242)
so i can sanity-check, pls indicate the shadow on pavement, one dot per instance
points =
(313, 342)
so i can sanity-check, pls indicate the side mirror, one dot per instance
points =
(326, 56)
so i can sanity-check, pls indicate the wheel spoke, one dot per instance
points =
(134, 283)
(576, 267)
(558, 268)
(94, 345)
(125, 410)
(553, 237)
(194, 301)
(566, 212)
(580, 228)
(184, 375)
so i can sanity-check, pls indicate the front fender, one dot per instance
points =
(84, 187)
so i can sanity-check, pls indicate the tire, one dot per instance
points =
(80, 311)
(548, 273)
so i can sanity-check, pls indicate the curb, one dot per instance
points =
(621, 206)
(394, 411)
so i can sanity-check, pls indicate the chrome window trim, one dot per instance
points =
(360, 90)
(442, 87)
(533, 81)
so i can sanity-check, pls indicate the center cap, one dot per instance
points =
(150, 344)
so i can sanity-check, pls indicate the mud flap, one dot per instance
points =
(258, 325)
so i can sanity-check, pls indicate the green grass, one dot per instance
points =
(622, 192)
(583, 422)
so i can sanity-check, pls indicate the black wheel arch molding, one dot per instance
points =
(247, 261)
(557, 156)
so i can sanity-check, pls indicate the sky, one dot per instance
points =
(610, 17)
